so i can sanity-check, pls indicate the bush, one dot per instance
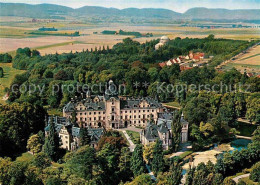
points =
(229, 181)
(255, 173)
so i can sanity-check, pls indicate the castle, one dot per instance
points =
(111, 111)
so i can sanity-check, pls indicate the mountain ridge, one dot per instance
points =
(46, 10)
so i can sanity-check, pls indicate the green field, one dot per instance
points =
(9, 74)
(135, 136)
(173, 104)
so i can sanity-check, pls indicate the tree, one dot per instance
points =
(81, 162)
(255, 172)
(1, 72)
(124, 164)
(158, 161)
(229, 181)
(5, 164)
(141, 179)
(190, 176)
(53, 181)
(137, 162)
(218, 179)
(41, 160)
(51, 145)
(17, 124)
(176, 133)
(34, 144)
(174, 176)
(148, 153)
(84, 137)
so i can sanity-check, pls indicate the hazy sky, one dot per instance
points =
(176, 5)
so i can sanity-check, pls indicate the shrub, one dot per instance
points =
(255, 173)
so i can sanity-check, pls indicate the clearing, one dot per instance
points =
(9, 74)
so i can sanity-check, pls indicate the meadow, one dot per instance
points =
(9, 74)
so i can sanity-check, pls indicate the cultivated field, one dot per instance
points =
(249, 61)
(15, 33)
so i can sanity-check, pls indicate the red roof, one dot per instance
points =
(250, 74)
(258, 76)
(184, 68)
(162, 64)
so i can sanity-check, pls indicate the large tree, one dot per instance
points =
(34, 144)
(158, 160)
(137, 162)
(17, 124)
(176, 132)
(51, 145)
(84, 137)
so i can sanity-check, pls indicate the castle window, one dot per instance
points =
(125, 117)
(99, 113)
(89, 113)
(94, 113)
(113, 109)
(152, 110)
(94, 118)
(134, 116)
(147, 110)
(113, 118)
(125, 111)
(134, 111)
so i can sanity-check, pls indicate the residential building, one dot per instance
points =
(70, 135)
(162, 131)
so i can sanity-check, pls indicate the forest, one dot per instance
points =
(211, 114)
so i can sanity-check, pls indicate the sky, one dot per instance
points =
(175, 5)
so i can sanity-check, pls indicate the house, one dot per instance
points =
(162, 64)
(162, 131)
(110, 111)
(70, 135)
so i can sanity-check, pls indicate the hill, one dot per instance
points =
(205, 13)
(58, 11)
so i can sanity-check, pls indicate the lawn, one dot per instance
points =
(245, 129)
(135, 136)
(9, 74)
(173, 104)
(54, 112)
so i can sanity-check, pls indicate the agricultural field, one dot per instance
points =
(9, 74)
(15, 32)
(249, 61)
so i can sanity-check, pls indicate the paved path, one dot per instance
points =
(132, 145)
(243, 137)
(236, 179)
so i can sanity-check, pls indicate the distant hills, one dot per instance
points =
(58, 11)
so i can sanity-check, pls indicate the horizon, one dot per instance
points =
(177, 5)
